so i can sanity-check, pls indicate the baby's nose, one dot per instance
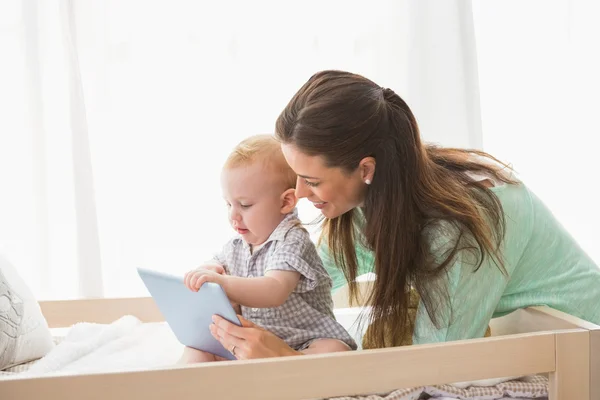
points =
(234, 215)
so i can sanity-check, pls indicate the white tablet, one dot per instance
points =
(189, 313)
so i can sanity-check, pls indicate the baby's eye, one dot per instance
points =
(311, 184)
(228, 205)
(245, 205)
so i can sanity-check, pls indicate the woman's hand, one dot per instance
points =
(249, 341)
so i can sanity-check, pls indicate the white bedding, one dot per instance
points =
(126, 344)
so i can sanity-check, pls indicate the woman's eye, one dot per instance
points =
(311, 184)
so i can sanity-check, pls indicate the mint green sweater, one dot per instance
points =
(545, 267)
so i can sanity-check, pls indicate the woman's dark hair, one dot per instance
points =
(343, 118)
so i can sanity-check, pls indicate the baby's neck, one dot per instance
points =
(255, 247)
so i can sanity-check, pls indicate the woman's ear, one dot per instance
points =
(367, 169)
(288, 201)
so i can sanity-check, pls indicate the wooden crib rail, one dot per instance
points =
(309, 377)
(575, 351)
(64, 313)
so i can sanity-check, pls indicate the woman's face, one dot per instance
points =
(331, 189)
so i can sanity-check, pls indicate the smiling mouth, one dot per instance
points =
(319, 204)
(242, 231)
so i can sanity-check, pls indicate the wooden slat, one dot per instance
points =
(65, 313)
(537, 319)
(595, 364)
(571, 379)
(575, 322)
(303, 377)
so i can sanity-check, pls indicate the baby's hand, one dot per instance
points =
(205, 273)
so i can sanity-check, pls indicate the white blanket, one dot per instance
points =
(126, 344)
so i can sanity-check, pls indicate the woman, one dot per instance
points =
(454, 225)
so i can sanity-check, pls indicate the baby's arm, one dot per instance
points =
(270, 290)
(290, 269)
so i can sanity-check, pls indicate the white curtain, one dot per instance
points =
(117, 116)
(538, 69)
(48, 208)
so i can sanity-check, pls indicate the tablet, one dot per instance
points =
(189, 313)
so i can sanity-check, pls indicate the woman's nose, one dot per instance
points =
(302, 190)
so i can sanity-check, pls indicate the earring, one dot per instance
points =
(368, 181)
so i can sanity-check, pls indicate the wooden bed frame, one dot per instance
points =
(531, 341)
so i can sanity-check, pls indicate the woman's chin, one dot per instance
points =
(329, 212)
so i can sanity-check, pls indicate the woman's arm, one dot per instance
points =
(472, 297)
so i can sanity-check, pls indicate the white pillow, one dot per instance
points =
(24, 333)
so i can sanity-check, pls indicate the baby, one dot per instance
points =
(270, 271)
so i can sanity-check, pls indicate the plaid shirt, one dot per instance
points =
(307, 314)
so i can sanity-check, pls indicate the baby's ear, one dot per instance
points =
(288, 201)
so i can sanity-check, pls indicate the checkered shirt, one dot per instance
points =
(307, 314)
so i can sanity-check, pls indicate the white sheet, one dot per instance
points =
(126, 344)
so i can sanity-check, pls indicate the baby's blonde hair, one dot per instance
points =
(267, 150)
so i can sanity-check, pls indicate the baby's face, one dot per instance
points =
(254, 201)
